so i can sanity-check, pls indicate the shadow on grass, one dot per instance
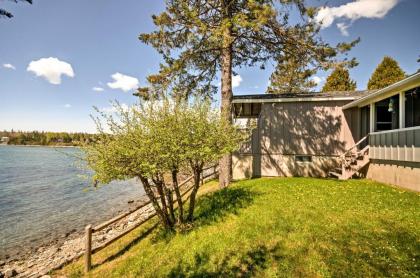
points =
(214, 207)
(391, 250)
(232, 265)
(127, 247)
(210, 208)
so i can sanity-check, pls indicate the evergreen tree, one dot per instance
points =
(200, 38)
(339, 80)
(4, 13)
(291, 76)
(386, 73)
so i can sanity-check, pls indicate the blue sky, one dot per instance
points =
(95, 44)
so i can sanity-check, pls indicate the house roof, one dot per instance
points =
(316, 96)
(406, 84)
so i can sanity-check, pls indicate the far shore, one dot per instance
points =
(46, 146)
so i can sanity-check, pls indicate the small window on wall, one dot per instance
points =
(247, 110)
(412, 107)
(303, 158)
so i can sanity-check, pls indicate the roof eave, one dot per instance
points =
(403, 85)
(307, 99)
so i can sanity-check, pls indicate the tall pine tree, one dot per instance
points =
(339, 80)
(201, 39)
(291, 76)
(386, 73)
(6, 14)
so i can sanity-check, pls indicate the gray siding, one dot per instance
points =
(311, 128)
(398, 145)
(285, 129)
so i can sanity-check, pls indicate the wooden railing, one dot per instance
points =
(347, 156)
(89, 230)
(348, 152)
(396, 145)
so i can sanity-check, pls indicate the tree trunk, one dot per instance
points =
(178, 197)
(161, 191)
(149, 192)
(193, 195)
(170, 199)
(225, 163)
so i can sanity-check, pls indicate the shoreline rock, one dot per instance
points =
(54, 254)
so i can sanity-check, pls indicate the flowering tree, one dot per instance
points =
(157, 139)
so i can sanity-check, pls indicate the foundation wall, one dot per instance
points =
(402, 174)
(265, 165)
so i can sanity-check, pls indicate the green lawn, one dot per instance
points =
(280, 227)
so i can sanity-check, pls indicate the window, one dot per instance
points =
(303, 158)
(412, 107)
(387, 113)
(247, 110)
(365, 121)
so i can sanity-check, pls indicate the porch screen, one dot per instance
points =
(387, 114)
(412, 107)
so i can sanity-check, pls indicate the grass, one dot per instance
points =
(279, 227)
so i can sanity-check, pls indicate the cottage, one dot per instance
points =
(373, 134)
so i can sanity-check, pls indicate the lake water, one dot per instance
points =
(44, 193)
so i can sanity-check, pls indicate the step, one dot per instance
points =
(351, 163)
(360, 165)
(335, 174)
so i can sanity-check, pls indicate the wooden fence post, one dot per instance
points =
(88, 248)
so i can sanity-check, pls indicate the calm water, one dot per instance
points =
(43, 195)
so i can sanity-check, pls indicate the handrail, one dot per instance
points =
(354, 146)
(395, 130)
(364, 149)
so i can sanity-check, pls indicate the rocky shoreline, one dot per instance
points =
(54, 255)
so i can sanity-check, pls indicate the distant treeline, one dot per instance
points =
(45, 138)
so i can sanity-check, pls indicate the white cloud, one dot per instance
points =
(236, 81)
(318, 80)
(98, 89)
(123, 82)
(67, 105)
(343, 28)
(353, 11)
(112, 109)
(9, 66)
(51, 69)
